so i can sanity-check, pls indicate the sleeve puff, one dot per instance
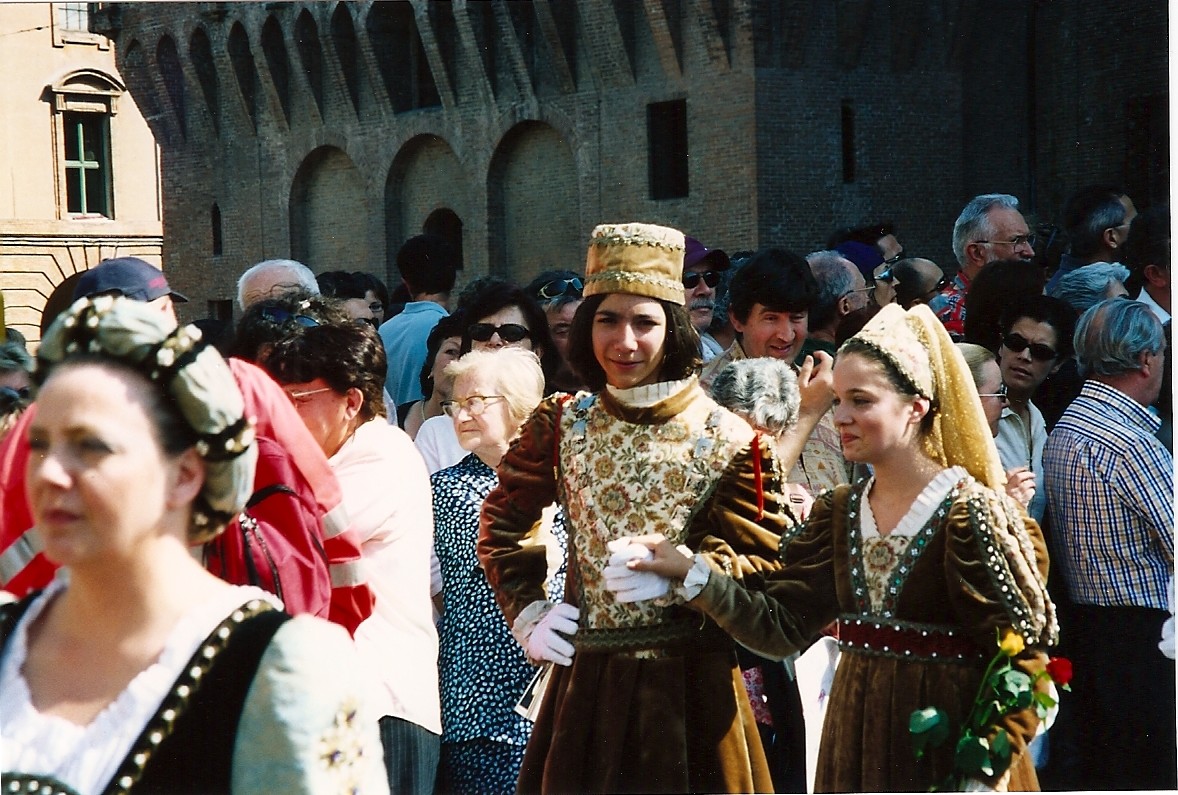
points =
(743, 521)
(996, 567)
(511, 513)
(776, 613)
(305, 726)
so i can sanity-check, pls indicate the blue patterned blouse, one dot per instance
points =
(483, 671)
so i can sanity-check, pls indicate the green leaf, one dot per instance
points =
(1000, 752)
(1045, 700)
(929, 728)
(973, 756)
(1014, 688)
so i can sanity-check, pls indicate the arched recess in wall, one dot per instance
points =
(533, 210)
(274, 50)
(310, 55)
(328, 213)
(200, 53)
(168, 58)
(426, 185)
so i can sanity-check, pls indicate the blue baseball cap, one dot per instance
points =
(126, 276)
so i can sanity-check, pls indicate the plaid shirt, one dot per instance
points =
(949, 306)
(1110, 486)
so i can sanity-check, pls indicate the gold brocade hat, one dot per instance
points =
(918, 346)
(639, 259)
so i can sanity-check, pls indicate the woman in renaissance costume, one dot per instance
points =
(924, 565)
(644, 696)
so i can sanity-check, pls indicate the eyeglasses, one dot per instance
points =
(1000, 394)
(508, 332)
(869, 290)
(475, 405)
(301, 397)
(1018, 241)
(1039, 351)
(277, 315)
(558, 287)
(711, 279)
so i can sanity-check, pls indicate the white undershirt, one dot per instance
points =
(87, 757)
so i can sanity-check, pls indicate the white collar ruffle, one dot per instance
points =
(649, 395)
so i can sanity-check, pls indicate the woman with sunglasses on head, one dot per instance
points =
(334, 374)
(643, 696)
(136, 670)
(558, 293)
(483, 671)
(925, 564)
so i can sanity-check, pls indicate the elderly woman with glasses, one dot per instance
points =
(136, 670)
(334, 374)
(483, 670)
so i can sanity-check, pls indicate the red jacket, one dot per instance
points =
(24, 568)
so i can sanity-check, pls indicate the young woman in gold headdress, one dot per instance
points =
(644, 696)
(923, 564)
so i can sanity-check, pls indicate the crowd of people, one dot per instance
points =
(585, 533)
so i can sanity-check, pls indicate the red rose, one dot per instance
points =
(1060, 670)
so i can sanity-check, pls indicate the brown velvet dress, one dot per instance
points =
(927, 646)
(654, 700)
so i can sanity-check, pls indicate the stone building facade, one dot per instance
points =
(79, 165)
(330, 132)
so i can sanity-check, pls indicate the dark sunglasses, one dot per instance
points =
(1039, 351)
(508, 332)
(277, 315)
(558, 287)
(711, 279)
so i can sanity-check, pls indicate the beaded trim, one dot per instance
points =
(626, 278)
(903, 566)
(906, 640)
(34, 785)
(1009, 594)
(176, 702)
(686, 634)
(608, 235)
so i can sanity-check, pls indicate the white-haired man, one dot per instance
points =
(990, 228)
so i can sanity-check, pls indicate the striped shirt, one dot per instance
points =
(1110, 487)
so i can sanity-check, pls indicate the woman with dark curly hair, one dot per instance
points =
(643, 696)
(334, 375)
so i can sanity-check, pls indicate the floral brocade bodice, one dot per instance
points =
(619, 479)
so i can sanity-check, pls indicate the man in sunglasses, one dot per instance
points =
(1036, 341)
(703, 268)
(874, 249)
(990, 228)
(918, 281)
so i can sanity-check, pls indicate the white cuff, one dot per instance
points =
(527, 620)
(695, 580)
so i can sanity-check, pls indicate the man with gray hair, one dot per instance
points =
(1110, 490)
(272, 278)
(841, 290)
(990, 228)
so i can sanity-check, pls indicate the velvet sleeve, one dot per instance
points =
(510, 516)
(778, 612)
(993, 589)
(741, 525)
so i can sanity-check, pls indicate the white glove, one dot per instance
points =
(629, 585)
(545, 643)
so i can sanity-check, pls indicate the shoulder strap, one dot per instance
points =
(188, 744)
(10, 616)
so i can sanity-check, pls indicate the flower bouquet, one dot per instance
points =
(982, 751)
